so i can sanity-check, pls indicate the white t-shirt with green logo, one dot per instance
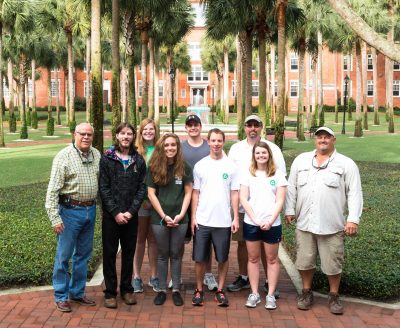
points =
(262, 193)
(215, 179)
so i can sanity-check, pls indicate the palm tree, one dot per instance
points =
(358, 122)
(2, 110)
(116, 70)
(375, 79)
(97, 85)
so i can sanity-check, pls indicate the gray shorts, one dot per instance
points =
(329, 247)
(145, 212)
(219, 237)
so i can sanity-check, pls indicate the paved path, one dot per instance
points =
(36, 309)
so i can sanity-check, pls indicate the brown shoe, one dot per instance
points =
(335, 305)
(63, 306)
(129, 298)
(110, 303)
(83, 301)
(305, 300)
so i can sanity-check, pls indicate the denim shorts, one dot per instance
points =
(255, 233)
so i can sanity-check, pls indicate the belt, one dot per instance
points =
(82, 203)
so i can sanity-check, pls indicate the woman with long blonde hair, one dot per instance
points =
(262, 194)
(145, 142)
(169, 185)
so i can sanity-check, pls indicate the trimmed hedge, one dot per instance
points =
(28, 242)
(372, 258)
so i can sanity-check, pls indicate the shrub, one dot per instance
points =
(12, 121)
(107, 108)
(34, 120)
(80, 104)
(24, 131)
(29, 117)
(72, 126)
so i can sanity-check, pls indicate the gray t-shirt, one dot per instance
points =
(194, 154)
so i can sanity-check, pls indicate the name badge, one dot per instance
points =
(178, 180)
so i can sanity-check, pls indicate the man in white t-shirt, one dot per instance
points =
(215, 188)
(240, 154)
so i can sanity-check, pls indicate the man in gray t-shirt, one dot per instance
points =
(194, 149)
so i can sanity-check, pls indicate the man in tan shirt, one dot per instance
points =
(325, 197)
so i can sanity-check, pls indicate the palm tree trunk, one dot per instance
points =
(22, 74)
(50, 120)
(273, 100)
(58, 118)
(308, 106)
(389, 85)
(151, 78)
(88, 88)
(314, 106)
(156, 86)
(262, 90)
(375, 78)
(248, 72)
(116, 70)
(2, 110)
(11, 115)
(364, 85)
(97, 83)
(358, 122)
(226, 85)
(34, 113)
(300, 106)
(281, 22)
(320, 81)
(144, 39)
(335, 79)
(238, 86)
(349, 66)
(71, 106)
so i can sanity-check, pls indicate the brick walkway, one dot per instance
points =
(36, 309)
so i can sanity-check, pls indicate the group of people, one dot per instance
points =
(162, 190)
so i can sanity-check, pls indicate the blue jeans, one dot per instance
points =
(76, 241)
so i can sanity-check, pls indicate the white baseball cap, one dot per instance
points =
(326, 129)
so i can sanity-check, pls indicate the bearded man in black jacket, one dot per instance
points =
(122, 190)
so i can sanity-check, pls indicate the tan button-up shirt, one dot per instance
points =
(322, 199)
(72, 174)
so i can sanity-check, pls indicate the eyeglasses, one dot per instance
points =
(89, 135)
(253, 125)
(85, 159)
(320, 167)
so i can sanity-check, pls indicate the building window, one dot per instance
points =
(370, 67)
(294, 89)
(396, 66)
(370, 88)
(183, 93)
(294, 62)
(396, 88)
(140, 88)
(29, 88)
(194, 50)
(346, 64)
(233, 88)
(5, 89)
(197, 74)
(53, 88)
(160, 88)
(254, 88)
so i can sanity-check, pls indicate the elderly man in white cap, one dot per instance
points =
(325, 197)
(240, 153)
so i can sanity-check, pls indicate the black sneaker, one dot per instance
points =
(177, 298)
(198, 298)
(160, 298)
(277, 293)
(221, 299)
(238, 284)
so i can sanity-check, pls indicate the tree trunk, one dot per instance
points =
(364, 31)
(262, 85)
(144, 39)
(71, 106)
(33, 78)
(248, 72)
(300, 105)
(226, 86)
(375, 78)
(97, 83)
(314, 106)
(2, 110)
(238, 83)
(151, 78)
(335, 79)
(320, 81)
(272, 86)
(156, 86)
(349, 66)
(358, 122)
(88, 88)
(364, 85)
(22, 74)
(390, 37)
(58, 119)
(116, 71)
(11, 115)
(281, 22)
(50, 121)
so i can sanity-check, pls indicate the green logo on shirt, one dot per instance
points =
(225, 176)
(272, 183)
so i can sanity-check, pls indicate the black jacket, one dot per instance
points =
(121, 190)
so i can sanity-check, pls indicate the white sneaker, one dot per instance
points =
(210, 282)
(270, 302)
(253, 300)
